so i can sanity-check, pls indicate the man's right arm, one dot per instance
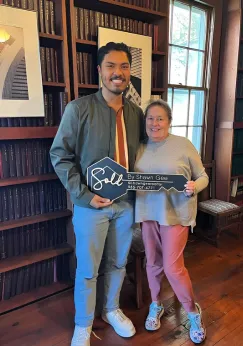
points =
(62, 155)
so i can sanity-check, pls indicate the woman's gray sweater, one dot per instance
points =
(174, 155)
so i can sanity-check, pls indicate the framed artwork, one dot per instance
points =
(139, 88)
(21, 92)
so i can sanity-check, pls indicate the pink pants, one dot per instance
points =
(164, 246)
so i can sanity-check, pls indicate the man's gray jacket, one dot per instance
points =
(86, 135)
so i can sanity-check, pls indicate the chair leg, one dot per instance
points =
(218, 233)
(138, 281)
(238, 231)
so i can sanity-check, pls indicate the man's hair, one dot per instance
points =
(110, 46)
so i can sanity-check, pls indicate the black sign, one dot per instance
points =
(108, 179)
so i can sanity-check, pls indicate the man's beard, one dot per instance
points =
(116, 91)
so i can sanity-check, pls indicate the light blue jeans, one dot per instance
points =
(103, 240)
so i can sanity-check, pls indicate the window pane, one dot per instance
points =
(195, 68)
(196, 109)
(180, 107)
(198, 29)
(179, 131)
(195, 136)
(169, 98)
(180, 24)
(178, 62)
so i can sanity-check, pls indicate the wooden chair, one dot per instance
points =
(135, 265)
(214, 215)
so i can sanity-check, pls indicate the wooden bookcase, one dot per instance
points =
(15, 134)
(118, 9)
(32, 132)
(229, 127)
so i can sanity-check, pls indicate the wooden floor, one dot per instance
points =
(217, 276)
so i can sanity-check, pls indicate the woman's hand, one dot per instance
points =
(190, 188)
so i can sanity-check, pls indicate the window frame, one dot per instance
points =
(207, 68)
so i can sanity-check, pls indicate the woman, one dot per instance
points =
(166, 216)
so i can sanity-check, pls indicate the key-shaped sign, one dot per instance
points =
(108, 179)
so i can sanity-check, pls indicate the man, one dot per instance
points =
(93, 127)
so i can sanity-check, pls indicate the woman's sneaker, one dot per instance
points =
(153, 319)
(197, 329)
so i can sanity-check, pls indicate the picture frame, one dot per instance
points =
(139, 89)
(21, 91)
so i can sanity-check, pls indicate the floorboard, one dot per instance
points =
(217, 276)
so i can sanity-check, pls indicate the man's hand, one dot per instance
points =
(190, 188)
(100, 202)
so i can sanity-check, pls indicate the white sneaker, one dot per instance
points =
(81, 336)
(122, 325)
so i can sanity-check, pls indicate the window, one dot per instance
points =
(187, 88)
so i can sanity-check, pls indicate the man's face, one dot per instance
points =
(115, 72)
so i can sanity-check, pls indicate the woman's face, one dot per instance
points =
(157, 124)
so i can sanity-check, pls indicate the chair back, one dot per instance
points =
(210, 191)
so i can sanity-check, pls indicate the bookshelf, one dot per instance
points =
(27, 179)
(34, 218)
(7, 133)
(21, 261)
(25, 182)
(121, 16)
(45, 37)
(229, 129)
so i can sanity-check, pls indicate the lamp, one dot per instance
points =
(4, 36)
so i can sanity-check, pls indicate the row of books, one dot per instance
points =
(85, 67)
(155, 97)
(237, 165)
(45, 10)
(24, 4)
(157, 78)
(54, 104)
(30, 238)
(28, 278)
(25, 158)
(88, 21)
(240, 58)
(238, 140)
(49, 65)
(239, 85)
(25, 200)
(22, 122)
(236, 187)
(82, 92)
(152, 4)
(239, 110)
(239, 191)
